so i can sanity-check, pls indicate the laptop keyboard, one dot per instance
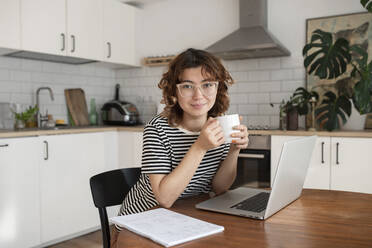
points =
(256, 203)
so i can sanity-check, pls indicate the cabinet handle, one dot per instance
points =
(63, 42)
(109, 49)
(322, 152)
(337, 145)
(5, 145)
(73, 43)
(46, 150)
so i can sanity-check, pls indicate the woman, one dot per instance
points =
(184, 152)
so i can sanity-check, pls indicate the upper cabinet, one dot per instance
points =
(10, 17)
(118, 33)
(63, 27)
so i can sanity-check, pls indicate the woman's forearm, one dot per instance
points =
(226, 174)
(172, 185)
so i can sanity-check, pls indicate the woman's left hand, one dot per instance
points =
(241, 139)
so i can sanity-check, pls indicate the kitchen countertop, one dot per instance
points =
(92, 129)
(10, 133)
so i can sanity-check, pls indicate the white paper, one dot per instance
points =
(166, 227)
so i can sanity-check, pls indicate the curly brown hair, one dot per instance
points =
(193, 58)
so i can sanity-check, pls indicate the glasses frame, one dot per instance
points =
(196, 87)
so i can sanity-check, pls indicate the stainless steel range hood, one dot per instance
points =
(252, 39)
(49, 57)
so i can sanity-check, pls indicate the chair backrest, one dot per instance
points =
(109, 189)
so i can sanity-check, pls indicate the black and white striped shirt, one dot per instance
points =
(163, 149)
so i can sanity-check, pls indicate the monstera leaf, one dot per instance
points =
(331, 114)
(302, 97)
(367, 4)
(363, 88)
(328, 60)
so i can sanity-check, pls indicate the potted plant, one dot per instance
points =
(26, 118)
(328, 59)
(298, 104)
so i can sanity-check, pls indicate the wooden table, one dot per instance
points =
(320, 218)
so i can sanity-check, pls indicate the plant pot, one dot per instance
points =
(292, 119)
(355, 122)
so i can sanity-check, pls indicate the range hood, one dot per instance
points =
(49, 57)
(252, 39)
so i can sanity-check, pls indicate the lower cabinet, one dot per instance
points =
(67, 165)
(19, 192)
(337, 163)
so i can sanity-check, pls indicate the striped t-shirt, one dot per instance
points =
(163, 149)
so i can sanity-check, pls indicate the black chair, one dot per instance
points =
(109, 189)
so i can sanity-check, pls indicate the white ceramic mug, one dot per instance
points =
(227, 123)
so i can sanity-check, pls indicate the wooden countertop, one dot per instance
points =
(92, 129)
(84, 129)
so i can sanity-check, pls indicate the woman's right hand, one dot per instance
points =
(211, 135)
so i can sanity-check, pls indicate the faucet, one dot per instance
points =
(42, 118)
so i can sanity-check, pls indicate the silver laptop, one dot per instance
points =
(287, 186)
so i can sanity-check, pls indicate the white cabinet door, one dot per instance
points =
(318, 173)
(10, 26)
(118, 33)
(351, 168)
(84, 28)
(111, 150)
(44, 26)
(66, 202)
(130, 149)
(19, 192)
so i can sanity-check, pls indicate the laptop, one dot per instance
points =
(287, 185)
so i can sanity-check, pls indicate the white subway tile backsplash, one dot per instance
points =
(259, 98)
(248, 87)
(258, 75)
(299, 73)
(4, 74)
(248, 109)
(246, 65)
(278, 97)
(239, 76)
(271, 86)
(291, 85)
(4, 97)
(284, 74)
(266, 109)
(238, 98)
(51, 67)
(291, 62)
(9, 86)
(269, 63)
(31, 65)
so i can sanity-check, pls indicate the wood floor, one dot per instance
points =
(91, 240)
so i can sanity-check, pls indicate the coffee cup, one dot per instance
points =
(227, 122)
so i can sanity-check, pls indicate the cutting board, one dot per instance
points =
(77, 106)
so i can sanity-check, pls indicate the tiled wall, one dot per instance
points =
(20, 78)
(259, 82)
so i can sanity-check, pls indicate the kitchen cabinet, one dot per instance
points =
(63, 27)
(67, 165)
(19, 192)
(10, 28)
(119, 33)
(130, 149)
(336, 164)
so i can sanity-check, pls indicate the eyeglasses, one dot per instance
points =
(188, 89)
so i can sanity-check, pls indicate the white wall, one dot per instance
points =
(165, 29)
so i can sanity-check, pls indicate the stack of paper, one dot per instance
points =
(166, 227)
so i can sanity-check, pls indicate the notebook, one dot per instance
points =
(166, 227)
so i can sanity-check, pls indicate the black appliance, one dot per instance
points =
(116, 112)
(253, 169)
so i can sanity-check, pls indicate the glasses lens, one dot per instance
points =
(188, 90)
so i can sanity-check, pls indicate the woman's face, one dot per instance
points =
(201, 100)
